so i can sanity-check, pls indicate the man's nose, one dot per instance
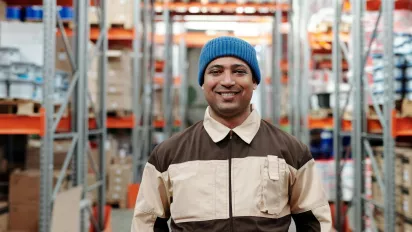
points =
(227, 79)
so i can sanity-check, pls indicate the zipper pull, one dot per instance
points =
(230, 134)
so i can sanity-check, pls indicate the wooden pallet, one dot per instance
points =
(119, 113)
(19, 107)
(122, 24)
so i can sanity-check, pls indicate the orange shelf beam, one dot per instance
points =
(14, 124)
(161, 123)
(173, 6)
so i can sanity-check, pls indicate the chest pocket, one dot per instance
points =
(193, 187)
(274, 186)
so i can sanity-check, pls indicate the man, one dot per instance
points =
(232, 171)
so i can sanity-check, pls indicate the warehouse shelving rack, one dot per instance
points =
(363, 128)
(77, 127)
(78, 90)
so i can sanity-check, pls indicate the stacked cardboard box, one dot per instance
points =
(406, 184)
(119, 13)
(380, 221)
(119, 81)
(60, 150)
(24, 204)
(120, 176)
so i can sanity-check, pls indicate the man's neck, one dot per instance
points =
(231, 122)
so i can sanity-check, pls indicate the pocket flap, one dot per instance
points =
(273, 167)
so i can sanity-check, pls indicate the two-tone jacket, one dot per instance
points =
(252, 178)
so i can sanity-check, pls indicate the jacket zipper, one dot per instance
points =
(230, 183)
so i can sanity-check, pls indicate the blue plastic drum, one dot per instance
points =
(13, 13)
(66, 13)
(34, 13)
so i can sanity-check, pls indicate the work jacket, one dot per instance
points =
(253, 178)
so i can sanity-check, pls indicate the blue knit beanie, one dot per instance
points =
(228, 46)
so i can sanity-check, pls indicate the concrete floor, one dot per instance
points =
(122, 218)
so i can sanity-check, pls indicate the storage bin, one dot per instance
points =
(3, 89)
(65, 12)
(4, 72)
(377, 61)
(408, 59)
(9, 55)
(13, 13)
(378, 87)
(378, 75)
(21, 89)
(408, 72)
(21, 71)
(38, 84)
(61, 80)
(34, 13)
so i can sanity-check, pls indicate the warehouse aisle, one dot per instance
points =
(121, 220)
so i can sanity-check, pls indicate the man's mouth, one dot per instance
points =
(227, 94)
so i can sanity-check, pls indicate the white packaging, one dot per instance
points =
(38, 93)
(9, 55)
(408, 72)
(3, 89)
(27, 37)
(22, 71)
(408, 59)
(61, 80)
(4, 72)
(408, 87)
(378, 87)
(21, 90)
(378, 75)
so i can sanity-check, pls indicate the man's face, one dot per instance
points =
(228, 86)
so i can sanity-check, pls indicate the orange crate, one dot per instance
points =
(132, 192)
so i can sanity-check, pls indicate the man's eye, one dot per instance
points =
(214, 72)
(240, 71)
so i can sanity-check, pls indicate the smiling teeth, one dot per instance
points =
(228, 94)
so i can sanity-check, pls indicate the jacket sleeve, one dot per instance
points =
(309, 204)
(151, 211)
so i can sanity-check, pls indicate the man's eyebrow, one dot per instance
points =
(238, 65)
(215, 66)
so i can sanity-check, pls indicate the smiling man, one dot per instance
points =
(232, 171)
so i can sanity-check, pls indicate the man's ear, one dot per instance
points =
(255, 86)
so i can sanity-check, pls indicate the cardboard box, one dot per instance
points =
(119, 102)
(24, 217)
(123, 160)
(121, 12)
(21, 181)
(407, 169)
(4, 217)
(406, 108)
(60, 150)
(120, 176)
(407, 202)
(24, 204)
(3, 7)
(111, 147)
(407, 225)
(399, 153)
